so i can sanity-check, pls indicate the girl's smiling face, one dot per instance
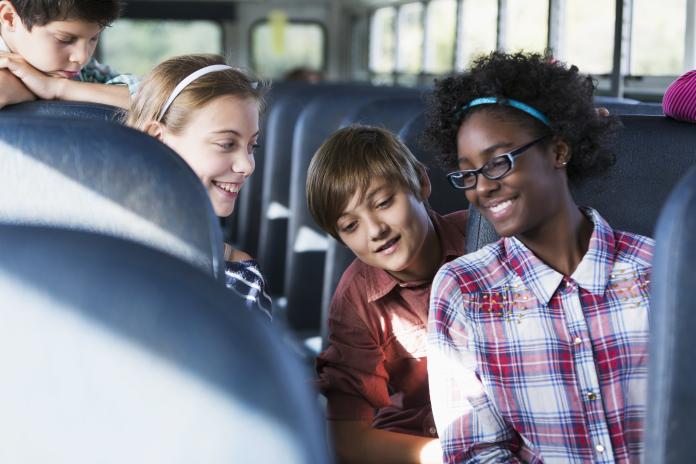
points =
(531, 194)
(218, 144)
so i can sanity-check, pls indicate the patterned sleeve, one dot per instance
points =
(99, 73)
(470, 427)
(246, 280)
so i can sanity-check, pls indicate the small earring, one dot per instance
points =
(564, 163)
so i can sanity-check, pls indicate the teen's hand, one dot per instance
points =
(12, 90)
(42, 85)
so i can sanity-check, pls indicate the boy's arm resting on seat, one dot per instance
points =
(470, 427)
(58, 88)
(12, 90)
(114, 95)
(359, 442)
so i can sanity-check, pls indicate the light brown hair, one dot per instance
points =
(346, 164)
(156, 87)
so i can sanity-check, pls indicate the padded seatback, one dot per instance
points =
(390, 113)
(243, 226)
(306, 243)
(113, 352)
(652, 152)
(104, 177)
(620, 109)
(670, 426)
(275, 198)
(65, 109)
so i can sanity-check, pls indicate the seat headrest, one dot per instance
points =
(65, 109)
(114, 352)
(672, 404)
(103, 177)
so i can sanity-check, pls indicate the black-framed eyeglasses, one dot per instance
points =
(496, 168)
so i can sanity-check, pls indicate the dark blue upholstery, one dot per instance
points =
(670, 425)
(243, 226)
(65, 109)
(652, 153)
(389, 113)
(306, 244)
(104, 177)
(115, 352)
(620, 109)
(275, 202)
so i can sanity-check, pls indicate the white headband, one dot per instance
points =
(187, 80)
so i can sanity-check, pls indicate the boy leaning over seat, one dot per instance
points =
(46, 51)
(366, 189)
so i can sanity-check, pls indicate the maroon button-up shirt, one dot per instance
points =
(375, 367)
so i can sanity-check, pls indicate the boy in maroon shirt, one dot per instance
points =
(366, 189)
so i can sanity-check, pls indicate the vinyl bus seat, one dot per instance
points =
(672, 399)
(104, 177)
(114, 352)
(274, 205)
(65, 109)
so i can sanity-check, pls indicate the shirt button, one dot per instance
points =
(577, 340)
(433, 431)
(599, 448)
(591, 396)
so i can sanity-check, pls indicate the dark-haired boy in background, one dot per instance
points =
(46, 51)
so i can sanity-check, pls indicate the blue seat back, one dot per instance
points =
(114, 352)
(103, 177)
(276, 177)
(621, 109)
(65, 109)
(671, 395)
(243, 226)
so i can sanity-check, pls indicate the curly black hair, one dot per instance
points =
(559, 92)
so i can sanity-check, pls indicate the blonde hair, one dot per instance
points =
(154, 90)
(346, 164)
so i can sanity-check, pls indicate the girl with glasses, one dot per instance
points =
(537, 343)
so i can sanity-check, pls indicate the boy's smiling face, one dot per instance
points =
(387, 228)
(59, 48)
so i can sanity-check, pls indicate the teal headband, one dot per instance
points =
(509, 102)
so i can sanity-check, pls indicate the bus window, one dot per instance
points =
(657, 42)
(410, 34)
(277, 47)
(526, 26)
(589, 21)
(440, 32)
(477, 30)
(136, 46)
(382, 43)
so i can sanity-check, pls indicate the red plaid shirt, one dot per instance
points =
(529, 365)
